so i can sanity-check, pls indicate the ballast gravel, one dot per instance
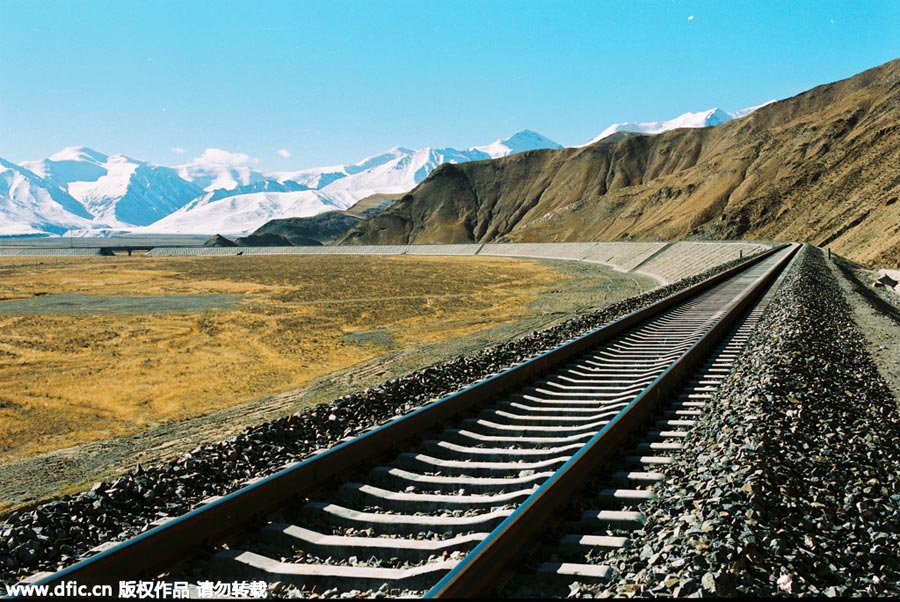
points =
(59, 533)
(789, 486)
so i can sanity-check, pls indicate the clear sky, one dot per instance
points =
(335, 81)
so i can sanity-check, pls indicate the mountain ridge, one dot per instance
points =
(819, 166)
(708, 118)
(119, 194)
(32, 206)
(219, 191)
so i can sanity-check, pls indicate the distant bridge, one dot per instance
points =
(114, 250)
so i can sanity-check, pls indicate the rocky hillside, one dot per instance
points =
(822, 167)
(324, 228)
(299, 231)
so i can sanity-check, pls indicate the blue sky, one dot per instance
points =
(333, 82)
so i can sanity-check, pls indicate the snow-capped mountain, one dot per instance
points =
(398, 170)
(241, 213)
(31, 205)
(83, 192)
(401, 169)
(116, 191)
(525, 140)
(702, 119)
(312, 191)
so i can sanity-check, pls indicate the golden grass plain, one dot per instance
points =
(71, 377)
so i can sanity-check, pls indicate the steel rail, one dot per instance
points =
(167, 544)
(633, 476)
(477, 573)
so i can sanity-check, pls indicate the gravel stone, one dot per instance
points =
(788, 486)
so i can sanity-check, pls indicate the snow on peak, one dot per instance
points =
(529, 140)
(701, 119)
(32, 205)
(389, 155)
(240, 214)
(519, 142)
(114, 190)
(222, 191)
(748, 110)
(78, 153)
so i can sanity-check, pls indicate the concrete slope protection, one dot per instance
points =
(666, 262)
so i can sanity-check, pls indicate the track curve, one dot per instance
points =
(436, 500)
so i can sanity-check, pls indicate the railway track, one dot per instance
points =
(443, 500)
(608, 512)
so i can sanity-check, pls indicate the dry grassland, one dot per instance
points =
(267, 324)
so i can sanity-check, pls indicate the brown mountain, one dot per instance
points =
(823, 167)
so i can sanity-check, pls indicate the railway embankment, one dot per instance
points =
(58, 533)
(789, 484)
